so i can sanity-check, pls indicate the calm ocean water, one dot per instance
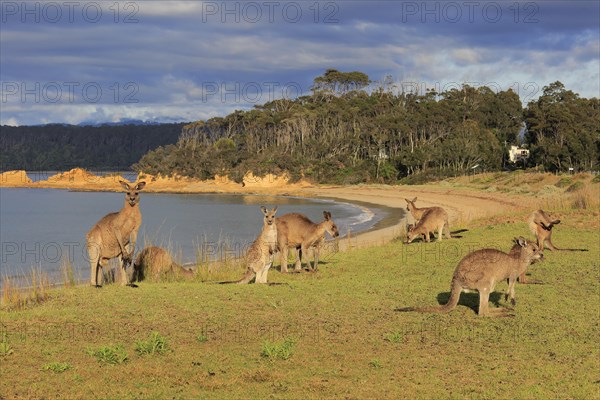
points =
(40, 228)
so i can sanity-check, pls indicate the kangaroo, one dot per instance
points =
(260, 253)
(115, 235)
(417, 213)
(297, 231)
(481, 270)
(152, 262)
(540, 224)
(432, 219)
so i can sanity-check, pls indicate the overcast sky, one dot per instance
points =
(74, 61)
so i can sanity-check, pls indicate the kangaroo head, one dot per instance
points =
(529, 250)
(410, 204)
(269, 215)
(410, 232)
(330, 226)
(132, 193)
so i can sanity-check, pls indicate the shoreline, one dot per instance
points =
(463, 205)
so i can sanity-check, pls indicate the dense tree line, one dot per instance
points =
(61, 147)
(343, 134)
(563, 130)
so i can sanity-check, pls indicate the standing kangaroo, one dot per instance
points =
(115, 235)
(481, 270)
(540, 224)
(297, 231)
(432, 219)
(417, 213)
(153, 261)
(260, 253)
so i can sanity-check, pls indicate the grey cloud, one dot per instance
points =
(174, 56)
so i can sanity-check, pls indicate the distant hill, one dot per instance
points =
(100, 147)
(130, 121)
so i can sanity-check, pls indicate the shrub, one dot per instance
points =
(394, 337)
(5, 347)
(564, 182)
(109, 354)
(283, 350)
(155, 344)
(574, 187)
(57, 367)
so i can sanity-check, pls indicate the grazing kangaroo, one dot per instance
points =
(540, 224)
(481, 270)
(153, 261)
(297, 231)
(260, 253)
(115, 235)
(432, 219)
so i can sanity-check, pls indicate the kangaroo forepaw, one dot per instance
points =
(513, 302)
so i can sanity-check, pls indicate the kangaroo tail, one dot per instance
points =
(250, 274)
(449, 306)
(571, 249)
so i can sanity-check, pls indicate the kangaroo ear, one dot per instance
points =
(326, 215)
(414, 200)
(407, 200)
(125, 185)
(274, 210)
(264, 209)
(140, 185)
(521, 241)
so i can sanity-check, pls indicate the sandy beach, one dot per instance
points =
(462, 205)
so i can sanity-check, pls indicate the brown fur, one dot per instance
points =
(481, 270)
(298, 232)
(260, 253)
(115, 235)
(417, 213)
(540, 224)
(435, 218)
(153, 262)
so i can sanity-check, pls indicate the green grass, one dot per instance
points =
(155, 344)
(5, 347)
(109, 354)
(348, 340)
(394, 337)
(202, 338)
(282, 350)
(57, 367)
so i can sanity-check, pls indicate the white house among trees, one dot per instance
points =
(516, 154)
